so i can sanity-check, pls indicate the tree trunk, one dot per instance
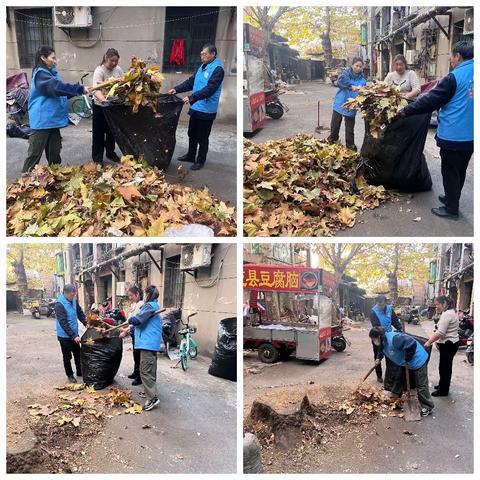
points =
(20, 274)
(326, 41)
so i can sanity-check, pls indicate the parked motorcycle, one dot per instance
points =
(45, 308)
(274, 108)
(114, 317)
(339, 342)
(465, 328)
(469, 351)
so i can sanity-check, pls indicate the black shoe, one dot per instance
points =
(113, 157)
(437, 393)
(186, 158)
(151, 404)
(443, 199)
(379, 379)
(197, 166)
(133, 375)
(425, 411)
(442, 212)
(352, 147)
(72, 379)
(436, 387)
(79, 374)
(137, 381)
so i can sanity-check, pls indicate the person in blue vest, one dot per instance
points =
(404, 351)
(383, 315)
(148, 338)
(206, 88)
(47, 109)
(453, 97)
(350, 81)
(68, 313)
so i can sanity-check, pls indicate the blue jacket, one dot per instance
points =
(385, 318)
(455, 119)
(148, 327)
(403, 350)
(47, 105)
(72, 318)
(345, 82)
(202, 77)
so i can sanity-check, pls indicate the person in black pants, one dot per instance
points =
(447, 340)
(206, 87)
(68, 313)
(453, 97)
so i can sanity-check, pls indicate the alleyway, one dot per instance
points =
(77, 144)
(396, 218)
(193, 430)
(387, 444)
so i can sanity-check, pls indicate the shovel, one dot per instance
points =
(411, 407)
(365, 377)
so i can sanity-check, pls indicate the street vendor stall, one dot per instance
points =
(289, 311)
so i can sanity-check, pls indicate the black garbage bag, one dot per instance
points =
(100, 360)
(224, 362)
(18, 131)
(143, 133)
(395, 159)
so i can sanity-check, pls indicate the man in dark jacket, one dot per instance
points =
(453, 97)
(383, 315)
(206, 87)
(68, 313)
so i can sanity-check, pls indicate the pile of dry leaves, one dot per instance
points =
(139, 86)
(129, 199)
(379, 104)
(301, 186)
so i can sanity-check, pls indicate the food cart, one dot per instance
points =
(289, 311)
(254, 51)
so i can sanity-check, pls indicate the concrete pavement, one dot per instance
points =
(192, 431)
(440, 443)
(395, 218)
(219, 173)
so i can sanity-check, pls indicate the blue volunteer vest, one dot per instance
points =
(455, 119)
(398, 356)
(148, 336)
(344, 94)
(210, 104)
(384, 317)
(46, 112)
(72, 319)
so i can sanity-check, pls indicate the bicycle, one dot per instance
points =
(188, 346)
(82, 106)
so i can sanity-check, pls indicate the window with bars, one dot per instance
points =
(196, 26)
(174, 282)
(34, 28)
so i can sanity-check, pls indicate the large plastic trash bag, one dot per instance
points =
(100, 359)
(395, 159)
(224, 362)
(143, 133)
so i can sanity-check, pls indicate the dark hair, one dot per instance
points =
(151, 293)
(136, 290)
(401, 58)
(43, 51)
(464, 48)
(444, 300)
(376, 332)
(111, 52)
(69, 288)
(357, 59)
(211, 48)
(381, 299)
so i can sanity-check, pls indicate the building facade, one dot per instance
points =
(105, 271)
(146, 32)
(424, 35)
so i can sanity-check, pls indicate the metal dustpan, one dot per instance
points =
(411, 405)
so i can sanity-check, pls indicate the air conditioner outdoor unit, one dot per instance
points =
(121, 289)
(72, 17)
(410, 56)
(468, 22)
(196, 256)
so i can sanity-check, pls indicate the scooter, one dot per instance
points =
(43, 308)
(274, 108)
(339, 342)
(114, 317)
(469, 351)
(465, 328)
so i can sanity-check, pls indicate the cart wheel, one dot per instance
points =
(267, 353)
(339, 344)
(274, 111)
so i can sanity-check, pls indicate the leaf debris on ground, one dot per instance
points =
(131, 199)
(302, 186)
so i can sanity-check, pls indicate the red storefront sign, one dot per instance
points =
(254, 41)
